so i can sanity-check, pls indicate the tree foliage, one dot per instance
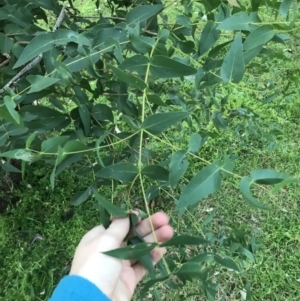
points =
(76, 88)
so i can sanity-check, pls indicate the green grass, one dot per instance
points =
(30, 268)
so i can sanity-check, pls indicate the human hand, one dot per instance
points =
(117, 278)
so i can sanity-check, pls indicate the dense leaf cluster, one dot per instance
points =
(79, 87)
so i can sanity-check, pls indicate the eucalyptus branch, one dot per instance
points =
(4, 63)
(59, 19)
(17, 77)
(37, 60)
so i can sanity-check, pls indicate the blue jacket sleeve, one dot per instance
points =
(75, 288)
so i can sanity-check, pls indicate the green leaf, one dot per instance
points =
(57, 161)
(190, 270)
(5, 43)
(205, 182)
(19, 154)
(285, 7)
(178, 166)
(142, 12)
(128, 78)
(38, 45)
(142, 44)
(39, 82)
(180, 240)
(99, 141)
(51, 145)
(155, 99)
(156, 172)
(233, 67)
(245, 185)
(159, 122)
(239, 21)
(195, 143)
(226, 262)
(85, 118)
(259, 36)
(209, 36)
(204, 257)
(30, 139)
(268, 176)
(132, 251)
(110, 207)
(227, 167)
(75, 147)
(151, 283)
(137, 63)
(208, 219)
(80, 197)
(64, 36)
(250, 54)
(164, 67)
(125, 172)
(9, 168)
(146, 260)
(10, 106)
(102, 112)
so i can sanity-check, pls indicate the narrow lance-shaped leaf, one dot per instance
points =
(164, 67)
(10, 106)
(142, 12)
(259, 36)
(268, 176)
(125, 172)
(128, 78)
(5, 43)
(85, 118)
(132, 251)
(81, 196)
(239, 21)
(110, 207)
(142, 44)
(285, 7)
(226, 262)
(159, 122)
(209, 36)
(39, 82)
(180, 240)
(233, 67)
(30, 139)
(38, 45)
(190, 270)
(156, 172)
(19, 154)
(245, 185)
(178, 166)
(137, 63)
(205, 182)
(195, 143)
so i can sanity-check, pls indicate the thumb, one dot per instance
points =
(114, 235)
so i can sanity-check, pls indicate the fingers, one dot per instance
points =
(92, 234)
(158, 220)
(114, 235)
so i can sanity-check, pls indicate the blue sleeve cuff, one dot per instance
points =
(76, 288)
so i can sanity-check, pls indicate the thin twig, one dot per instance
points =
(17, 77)
(36, 61)
(4, 63)
(150, 32)
(96, 17)
(59, 19)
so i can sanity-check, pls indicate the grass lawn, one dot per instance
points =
(39, 234)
